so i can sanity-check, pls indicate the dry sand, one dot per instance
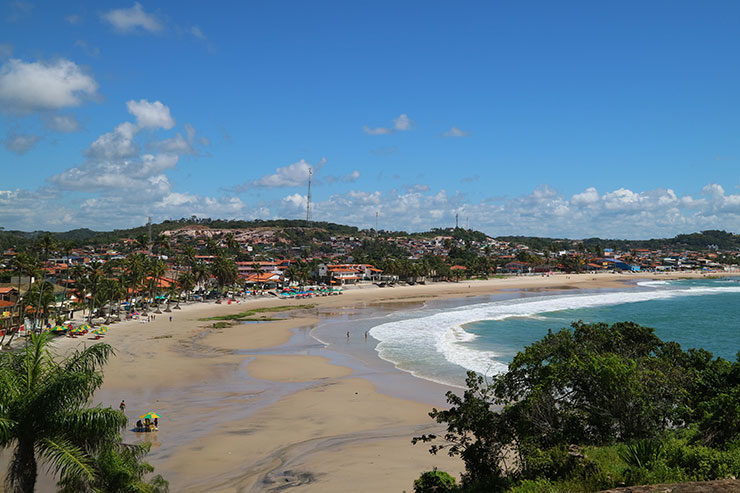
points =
(236, 418)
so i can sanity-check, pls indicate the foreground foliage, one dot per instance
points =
(44, 417)
(596, 407)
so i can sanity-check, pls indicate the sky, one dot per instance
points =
(562, 119)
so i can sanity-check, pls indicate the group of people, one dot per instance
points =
(147, 425)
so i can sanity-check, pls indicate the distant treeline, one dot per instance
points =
(694, 241)
(299, 233)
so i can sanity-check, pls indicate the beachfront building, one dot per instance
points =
(349, 273)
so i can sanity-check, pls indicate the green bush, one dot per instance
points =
(435, 482)
(701, 463)
(642, 453)
(535, 486)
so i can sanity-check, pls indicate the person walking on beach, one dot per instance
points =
(366, 335)
(170, 318)
(348, 335)
(122, 406)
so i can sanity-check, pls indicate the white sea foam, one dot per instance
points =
(407, 343)
(652, 284)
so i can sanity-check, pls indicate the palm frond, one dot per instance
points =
(66, 459)
(89, 359)
(92, 426)
(7, 429)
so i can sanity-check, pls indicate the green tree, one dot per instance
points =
(119, 469)
(44, 414)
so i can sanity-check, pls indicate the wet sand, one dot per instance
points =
(265, 406)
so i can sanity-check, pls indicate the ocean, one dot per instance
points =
(441, 342)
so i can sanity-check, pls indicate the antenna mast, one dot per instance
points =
(308, 198)
(456, 221)
(149, 228)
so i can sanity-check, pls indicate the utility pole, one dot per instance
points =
(149, 229)
(308, 198)
(376, 223)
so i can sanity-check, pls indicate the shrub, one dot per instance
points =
(435, 482)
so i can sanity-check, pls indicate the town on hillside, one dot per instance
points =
(49, 278)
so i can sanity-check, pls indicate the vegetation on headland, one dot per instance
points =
(46, 421)
(592, 408)
(247, 315)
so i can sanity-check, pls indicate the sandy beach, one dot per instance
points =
(265, 406)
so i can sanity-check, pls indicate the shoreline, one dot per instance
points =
(253, 405)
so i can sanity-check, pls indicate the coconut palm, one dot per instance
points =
(119, 469)
(225, 271)
(186, 283)
(23, 264)
(44, 415)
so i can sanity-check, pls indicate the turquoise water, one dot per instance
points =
(441, 344)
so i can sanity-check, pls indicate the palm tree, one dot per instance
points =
(28, 265)
(186, 283)
(225, 271)
(44, 414)
(119, 469)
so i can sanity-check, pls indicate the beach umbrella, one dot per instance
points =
(58, 328)
(104, 328)
(84, 327)
(98, 332)
(150, 415)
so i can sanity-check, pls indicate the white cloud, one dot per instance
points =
(352, 177)
(115, 164)
(115, 145)
(74, 19)
(6, 50)
(621, 213)
(455, 132)
(151, 115)
(293, 175)
(26, 87)
(400, 124)
(20, 143)
(133, 18)
(377, 130)
(197, 32)
(60, 123)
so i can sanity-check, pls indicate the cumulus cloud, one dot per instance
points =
(455, 132)
(293, 175)
(26, 87)
(400, 124)
(151, 115)
(60, 123)
(115, 163)
(621, 213)
(132, 19)
(20, 143)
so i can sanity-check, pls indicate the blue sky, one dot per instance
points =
(562, 119)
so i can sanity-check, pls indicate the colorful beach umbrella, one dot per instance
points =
(58, 328)
(150, 415)
(104, 328)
